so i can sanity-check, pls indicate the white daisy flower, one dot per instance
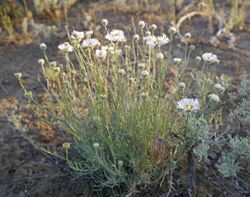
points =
(214, 97)
(101, 53)
(149, 38)
(66, 47)
(114, 51)
(90, 42)
(162, 40)
(89, 33)
(104, 48)
(177, 60)
(78, 35)
(152, 41)
(210, 58)
(188, 104)
(116, 36)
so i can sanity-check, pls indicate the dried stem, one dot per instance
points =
(191, 175)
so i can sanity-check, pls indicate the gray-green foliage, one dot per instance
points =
(244, 88)
(241, 113)
(228, 165)
(197, 129)
(207, 139)
(230, 162)
(240, 146)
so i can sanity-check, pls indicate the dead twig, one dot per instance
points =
(188, 16)
(192, 192)
(170, 183)
(222, 31)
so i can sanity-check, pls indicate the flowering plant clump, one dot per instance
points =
(133, 109)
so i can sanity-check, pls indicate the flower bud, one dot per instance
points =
(214, 97)
(66, 145)
(219, 87)
(198, 58)
(43, 47)
(57, 69)
(131, 80)
(96, 145)
(148, 33)
(182, 85)
(41, 62)
(159, 56)
(188, 35)
(172, 30)
(18, 75)
(127, 47)
(53, 64)
(136, 37)
(192, 47)
(105, 22)
(120, 163)
(153, 27)
(142, 24)
(144, 73)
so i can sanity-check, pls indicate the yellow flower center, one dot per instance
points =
(189, 107)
